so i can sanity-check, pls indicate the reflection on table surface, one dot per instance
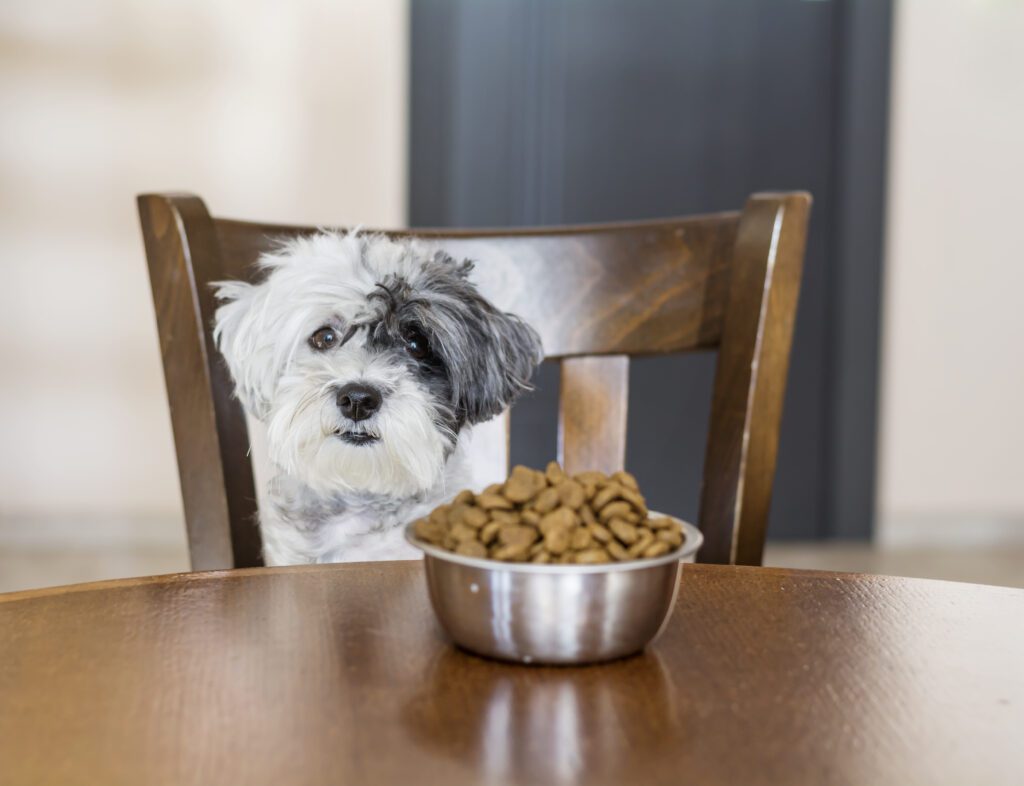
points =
(528, 724)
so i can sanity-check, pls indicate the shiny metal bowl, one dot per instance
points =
(554, 613)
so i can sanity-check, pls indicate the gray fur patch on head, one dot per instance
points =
(488, 356)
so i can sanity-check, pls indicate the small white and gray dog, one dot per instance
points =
(367, 359)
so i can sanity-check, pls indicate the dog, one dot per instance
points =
(368, 359)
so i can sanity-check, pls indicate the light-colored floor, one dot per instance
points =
(976, 564)
(30, 565)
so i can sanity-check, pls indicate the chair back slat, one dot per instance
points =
(640, 288)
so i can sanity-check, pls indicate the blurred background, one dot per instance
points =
(900, 450)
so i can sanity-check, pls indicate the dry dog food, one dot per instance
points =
(550, 517)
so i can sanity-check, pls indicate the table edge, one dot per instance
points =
(238, 573)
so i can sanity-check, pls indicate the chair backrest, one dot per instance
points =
(597, 294)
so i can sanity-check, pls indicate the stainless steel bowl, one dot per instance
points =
(554, 613)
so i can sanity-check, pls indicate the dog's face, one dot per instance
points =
(365, 356)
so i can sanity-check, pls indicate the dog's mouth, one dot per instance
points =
(357, 437)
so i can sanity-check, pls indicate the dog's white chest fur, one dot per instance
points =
(300, 526)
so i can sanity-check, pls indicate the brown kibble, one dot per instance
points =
(530, 517)
(471, 548)
(581, 539)
(599, 532)
(624, 478)
(504, 516)
(656, 549)
(562, 517)
(557, 539)
(514, 534)
(672, 537)
(614, 510)
(474, 517)
(462, 532)
(592, 478)
(546, 501)
(617, 551)
(644, 539)
(523, 484)
(554, 473)
(624, 531)
(607, 494)
(589, 518)
(428, 530)
(491, 501)
(635, 499)
(464, 498)
(489, 532)
(571, 494)
(512, 552)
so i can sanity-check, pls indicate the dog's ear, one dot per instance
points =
(503, 357)
(246, 344)
(490, 356)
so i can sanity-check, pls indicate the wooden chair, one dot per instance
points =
(597, 294)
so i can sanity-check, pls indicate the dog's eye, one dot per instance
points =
(324, 338)
(416, 344)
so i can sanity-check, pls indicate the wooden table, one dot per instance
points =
(338, 674)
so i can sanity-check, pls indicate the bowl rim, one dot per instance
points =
(694, 540)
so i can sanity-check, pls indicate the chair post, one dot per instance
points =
(750, 379)
(592, 413)
(210, 435)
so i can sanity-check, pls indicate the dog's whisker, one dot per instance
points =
(304, 404)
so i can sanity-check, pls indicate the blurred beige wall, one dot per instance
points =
(287, 111)
(952, 439)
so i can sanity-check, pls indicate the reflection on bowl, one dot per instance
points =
(545, 724)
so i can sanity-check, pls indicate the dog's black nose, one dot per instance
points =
(358, 402)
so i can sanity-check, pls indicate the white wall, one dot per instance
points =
(952, 436)
(287, 111)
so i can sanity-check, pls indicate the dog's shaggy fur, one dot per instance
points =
(367, 359)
